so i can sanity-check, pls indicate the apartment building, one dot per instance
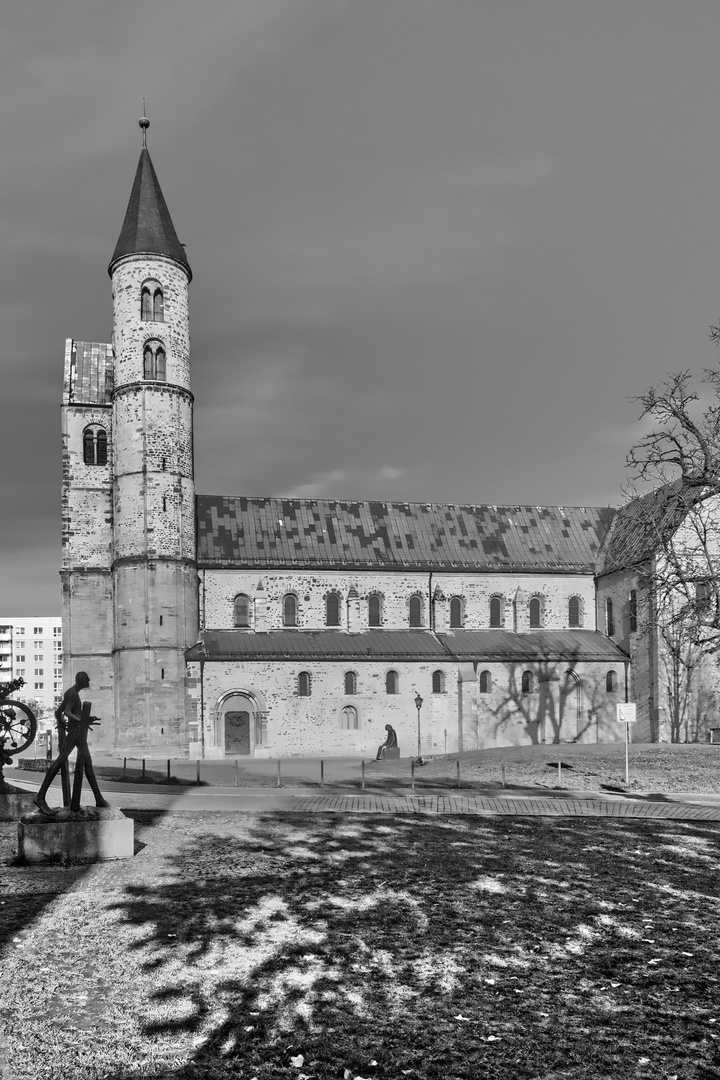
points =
(31, 648)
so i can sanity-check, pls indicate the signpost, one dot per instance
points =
(626, 714)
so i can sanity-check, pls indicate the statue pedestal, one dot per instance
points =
(14, 802)
(89, 834)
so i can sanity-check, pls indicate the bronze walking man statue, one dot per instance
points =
(74, 722)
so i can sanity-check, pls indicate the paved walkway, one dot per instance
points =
(676, 806)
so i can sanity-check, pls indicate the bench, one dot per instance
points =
(390, 752)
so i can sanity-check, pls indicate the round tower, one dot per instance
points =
(154, 559)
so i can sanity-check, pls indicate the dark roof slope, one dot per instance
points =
(462, 646)
(640, 528)
(318, 533)
(90, 373)
(148, 228)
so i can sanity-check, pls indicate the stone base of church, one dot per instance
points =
(90, 834)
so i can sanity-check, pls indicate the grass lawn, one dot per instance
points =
(654, 767)
(276, 946)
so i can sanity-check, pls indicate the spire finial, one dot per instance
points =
(144, 124)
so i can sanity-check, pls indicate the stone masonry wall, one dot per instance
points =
(219, 588)
(312, 725)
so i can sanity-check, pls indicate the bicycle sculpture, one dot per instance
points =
(18, 725)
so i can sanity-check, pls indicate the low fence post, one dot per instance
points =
(362, 774)
(457, 763)
(142, 776)
(237, 773)
(503, 774)
(412, 773)
(168, 768)
(322, 773)
(560, 773)
(197, 771)
(124, 768)
(279, 779)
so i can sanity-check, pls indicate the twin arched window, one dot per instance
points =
(415, 608)
(154, 366)
(95, 446)
(456, 611)
(392, 682)
(485, 681)
(152, 304)
(350, 682)
(495, 612)
(438, 682)
(241, 610)
(375, 610)
(349, 718)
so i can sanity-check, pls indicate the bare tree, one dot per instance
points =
(672, 531)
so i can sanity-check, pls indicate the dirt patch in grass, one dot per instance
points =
(332, 947)
(653, 768)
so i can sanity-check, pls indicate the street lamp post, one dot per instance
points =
(418, 706)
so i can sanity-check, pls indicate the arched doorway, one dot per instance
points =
(238, 723)
(572, 707)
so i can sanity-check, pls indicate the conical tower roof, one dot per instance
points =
(148, 228)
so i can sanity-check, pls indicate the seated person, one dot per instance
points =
(390, 741)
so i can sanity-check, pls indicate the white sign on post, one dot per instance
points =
(626, 712)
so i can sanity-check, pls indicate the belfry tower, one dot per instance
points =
(154, 569)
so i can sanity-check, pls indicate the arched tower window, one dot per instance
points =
(495, 611)
(152, 304)
(485, 682)
(350, 682)
(332, 609)
(95, 445)
(101, 447)
(632, 612)
(154, 366)
(241, 610)
(438, 682)
(527, 682)
(303, 684)
(574, 611)
(456, 611)
(415, 607)
(392, 683)
(374, 610)
(611, 682)
(290, 610)
(609, 617)
(535, 612)
(89, 447)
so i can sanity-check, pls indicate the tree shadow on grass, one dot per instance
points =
(425, 947)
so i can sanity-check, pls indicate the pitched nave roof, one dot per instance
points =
(318, 533)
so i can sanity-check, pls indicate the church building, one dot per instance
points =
(216, 625)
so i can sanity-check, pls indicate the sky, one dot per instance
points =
(437, 245)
